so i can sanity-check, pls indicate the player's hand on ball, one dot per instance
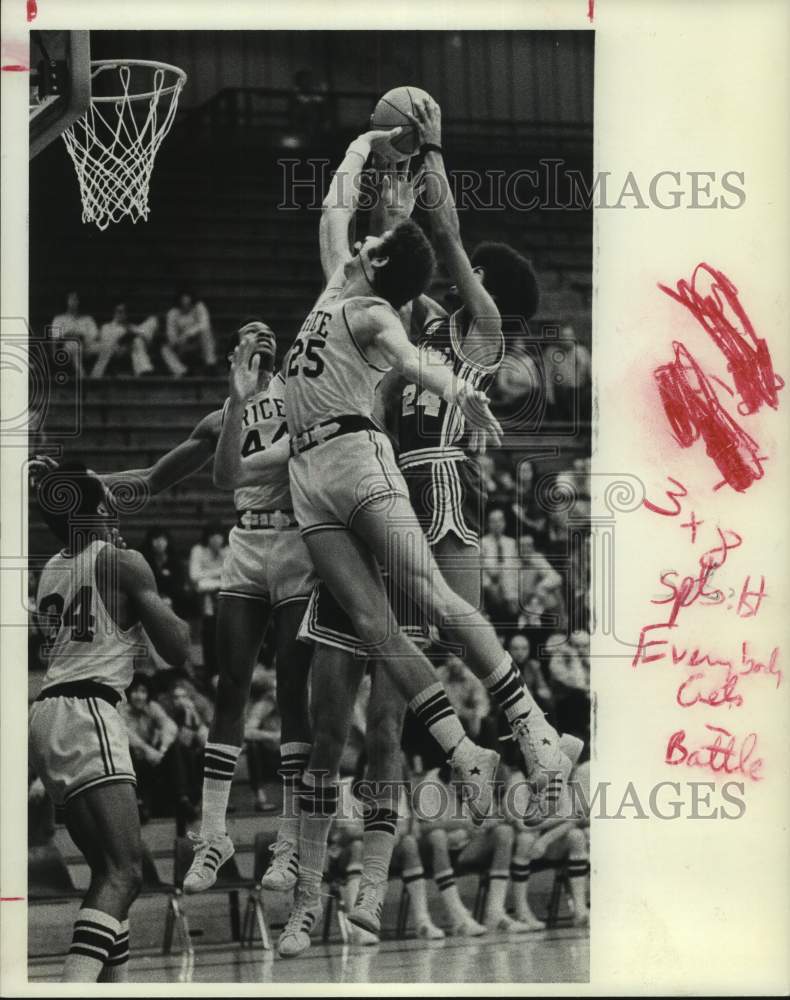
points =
(381, 143)
(117, 539)
(244, 369)
(427, 119)
(484, 425)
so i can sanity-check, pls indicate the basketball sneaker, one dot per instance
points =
(474, 769)
(427, 931)
(501, 923)
(283, 869)
(548, 761)
(366, 912)
(467, 927)
(295, 936)
(211, 853)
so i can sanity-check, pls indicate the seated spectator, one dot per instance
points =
(568, 370)
(565, 841)
(536, 574)
(164, 560)
(530, 670)
(528, 517)
(499, 562)
(190, 346)
(262, 736)
(77, 334)
(159, 757)
(192, 713)
(452, 842)
(206, 561)
(570, 681)
(123, 346)
(566, 666)
(467, 694)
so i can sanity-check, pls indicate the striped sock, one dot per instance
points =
(293, 760)
(317, 804)
(497, 891)
(219, 764)
(520, 872)
(434, 710)
(93, 939)
(445, 881)
(116, 968)
(506, 685)
(414, 880)
(378, 841)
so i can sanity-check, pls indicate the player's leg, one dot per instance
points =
(396, 540)
(241, 625)
(293, 667)
(462, 923)
(352, 573)
(578, 872)
(459, 564)
(335, 677)
(386, 711)
(104, 824)
(520, 872)
(501, 841)
(407, 857)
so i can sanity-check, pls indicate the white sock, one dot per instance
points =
(116, 968)
(93, 939)
(434, 711)
(318, 805)
(497, 891)
(456, 910)
(219, 765)
(414, 880)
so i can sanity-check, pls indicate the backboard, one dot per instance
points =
(60, 83)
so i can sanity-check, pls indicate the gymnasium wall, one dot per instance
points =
(538, 76)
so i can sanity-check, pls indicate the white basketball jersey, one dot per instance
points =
(328, 372)
(263, 423)
(85, 643)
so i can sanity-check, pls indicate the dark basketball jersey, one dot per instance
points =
(429, 428)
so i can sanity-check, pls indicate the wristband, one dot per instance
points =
(430, 147)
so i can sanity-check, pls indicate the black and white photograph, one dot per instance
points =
(310, 497)
(393, 480)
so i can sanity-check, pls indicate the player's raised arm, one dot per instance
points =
(343, 196)
(229, 473)
(428, 369)
(439, 201)
(168, 633)
(188, 457)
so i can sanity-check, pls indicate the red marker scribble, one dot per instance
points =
(14, 68)
(32, 10)
(748, 358)
(590, 10)
(693, 523)
(693, 410)
(11, 899)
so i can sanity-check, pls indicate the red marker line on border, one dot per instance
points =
(11, 899)
(32, 10)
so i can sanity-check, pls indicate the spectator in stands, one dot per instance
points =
(158, 756)
(499, 562)
(466, 693)
(518, 392)
(530, 670)
(568, 373)
(566, 666)
(190, 347)
(192, 713)
(164, 560)
(77, 333)
(526, 514)
(536, 574)
(262, 736)
(206, 561)
(123, 346)
(567, 841)
(307, 108)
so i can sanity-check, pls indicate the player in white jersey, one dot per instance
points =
(97, 602)
(268, 577)
(349, 495)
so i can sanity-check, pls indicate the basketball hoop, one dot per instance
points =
(113, 146)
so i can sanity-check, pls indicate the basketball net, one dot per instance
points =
(114, 145)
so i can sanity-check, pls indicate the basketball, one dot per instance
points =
(391, 112)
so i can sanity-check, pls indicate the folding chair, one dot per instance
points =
(254, 912)
(154, 886)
